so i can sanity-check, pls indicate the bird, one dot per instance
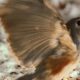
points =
(38, 36)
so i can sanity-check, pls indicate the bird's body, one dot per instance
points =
(38, 37)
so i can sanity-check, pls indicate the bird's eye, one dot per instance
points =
(78, 22)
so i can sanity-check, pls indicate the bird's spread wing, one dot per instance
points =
(31, 28)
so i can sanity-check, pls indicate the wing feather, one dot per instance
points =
(30, 28)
